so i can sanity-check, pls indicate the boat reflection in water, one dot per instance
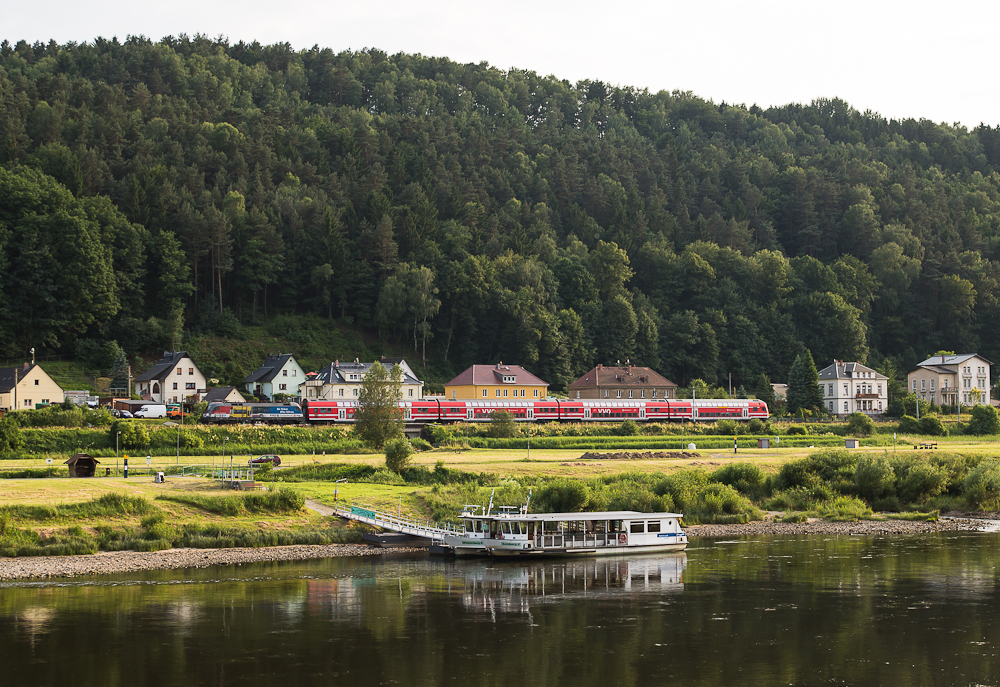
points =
(511, 587)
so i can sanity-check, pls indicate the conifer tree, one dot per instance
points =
(803, 385)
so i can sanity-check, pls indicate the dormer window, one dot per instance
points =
(509, 379)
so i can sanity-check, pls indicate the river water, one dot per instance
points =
(914, 610)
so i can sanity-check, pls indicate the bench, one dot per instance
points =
(926, 444)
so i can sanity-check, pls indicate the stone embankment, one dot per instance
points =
(863, 527)
(111, 563)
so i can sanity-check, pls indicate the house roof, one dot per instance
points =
(630, 375)
(7, 376)
(842, 370)
(163, 367)
(494, 374)
(219, 394)
(952, 359)
(936, 368)
(270, 369)
(336, 373)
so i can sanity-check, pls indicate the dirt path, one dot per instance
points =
(318, 507)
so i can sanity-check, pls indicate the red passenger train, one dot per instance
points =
(558, 410)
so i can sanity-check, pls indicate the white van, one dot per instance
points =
(151, 410)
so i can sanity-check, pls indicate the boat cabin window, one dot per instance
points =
(511, 528)
(653, 526)
(637, 527)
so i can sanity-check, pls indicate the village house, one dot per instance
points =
(949, 380)
(342, 382)
(26, 386)
(630, 381)
(173, 379)
(853, 388)
(496, 381)
(280, 375)
(224, 394)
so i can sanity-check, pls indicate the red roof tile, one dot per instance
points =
(632, 375)
(480, 375)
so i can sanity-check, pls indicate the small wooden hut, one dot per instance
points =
(82, 465)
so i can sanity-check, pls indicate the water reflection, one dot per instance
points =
(841, 610)
(512, 587)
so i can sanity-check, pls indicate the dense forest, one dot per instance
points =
(149, 190)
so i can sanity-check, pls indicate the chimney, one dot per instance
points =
(26, 366)
(942, 358)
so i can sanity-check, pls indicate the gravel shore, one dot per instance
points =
(113, 562)
(864, 527)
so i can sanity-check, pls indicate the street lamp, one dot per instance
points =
(117, 434)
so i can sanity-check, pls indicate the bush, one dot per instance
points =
(501, 425)
(985, 420)
(11, 439)
(931, 425)
(874, 478)
(561, 496)
(420, 444)
(845, 509)
(795, 473)
(720, 503)
(909, 425)
(860, 425)
(922, 481)
(132, 435)
(795, 517)
(757, 427)
(628, 429)
(726, 427)
(981, 489)
(397, 455)
(746, 478)
(797, 430)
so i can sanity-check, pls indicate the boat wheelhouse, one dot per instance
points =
(515, 532)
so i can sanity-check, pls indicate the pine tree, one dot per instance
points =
(379, 419)
(803, 385)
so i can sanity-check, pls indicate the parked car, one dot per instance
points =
(123, 414)
(272, 459)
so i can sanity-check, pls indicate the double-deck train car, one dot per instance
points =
(436, 410)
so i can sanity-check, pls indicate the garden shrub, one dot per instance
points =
(561, 496)
(909, 425)
(797, 430)
(931, 425)
(795, 473)
(922, 481)
(628, 428)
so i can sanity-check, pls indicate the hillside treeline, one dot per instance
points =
(150, 188)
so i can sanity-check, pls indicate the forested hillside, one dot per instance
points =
(152, 188)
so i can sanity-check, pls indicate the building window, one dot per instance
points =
(619, 393)
(36, 382)
(630, 393)
(498, 393)
(190, 372)
(341, 392)
(577, 394)
(829, 391)
(654, 393)
(175, 386)
(932, 385)
(914, 386)
(536, 394)
(189, 385)
(605, 393)
(284, 373)
(923, 384)
(178, 371)
(411, 393)
(831, 406)
(355, 392)
(642, 393)
(282, 387)
(295, 373)
(879, 389)
(845, 391)
(505, 392)
(845, 406)
(484, 393)
(45, 400)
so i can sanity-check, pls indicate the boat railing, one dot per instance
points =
(579, 539)
(396, 521)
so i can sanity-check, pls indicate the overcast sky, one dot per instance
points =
(912, 59)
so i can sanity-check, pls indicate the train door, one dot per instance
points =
(586, 413)
(341, 414)
(746, 413)
(642, 413)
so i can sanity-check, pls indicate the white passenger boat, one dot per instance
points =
(515, 532)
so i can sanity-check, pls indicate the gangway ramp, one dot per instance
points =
(397, 522)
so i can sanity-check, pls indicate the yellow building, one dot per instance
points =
(492, 382)
(25, 386)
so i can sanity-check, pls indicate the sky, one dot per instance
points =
(902, 60)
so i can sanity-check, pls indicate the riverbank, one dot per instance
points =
(824, 527)
(115, 562)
